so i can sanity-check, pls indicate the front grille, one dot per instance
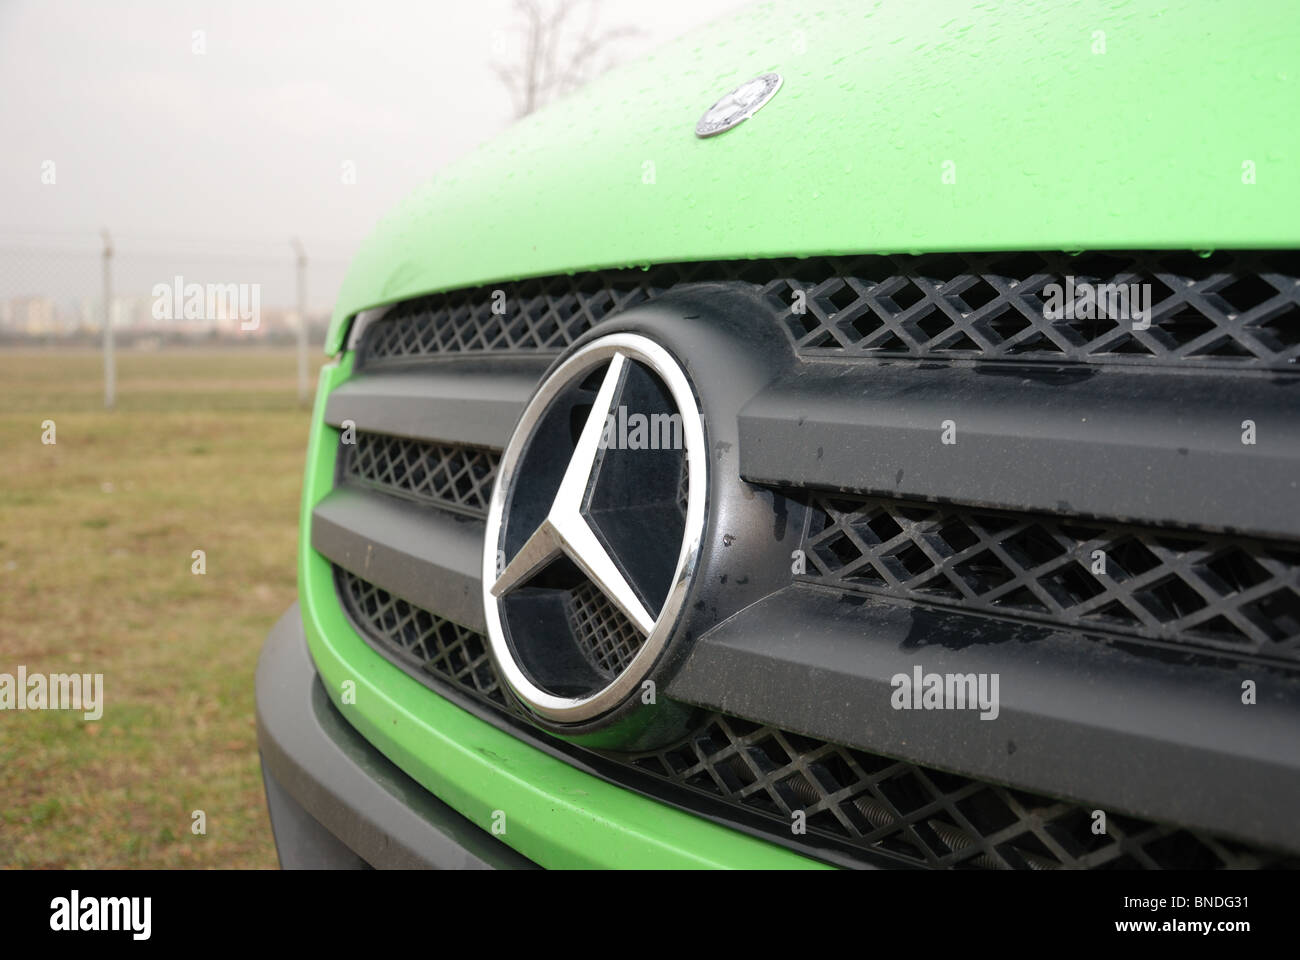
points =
(1225, 310)
(862, 803)
(448, 476)
(1224, 327)
(422, 640)
(1232, 594)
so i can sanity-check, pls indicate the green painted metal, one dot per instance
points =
(1053, 144)
(556, 815)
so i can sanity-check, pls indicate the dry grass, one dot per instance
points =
(205, 452)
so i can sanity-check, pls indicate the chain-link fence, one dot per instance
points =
(59, 288)
(147, 293)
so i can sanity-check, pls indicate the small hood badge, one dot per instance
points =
(738, 105)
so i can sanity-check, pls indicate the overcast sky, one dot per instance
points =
(242, 146)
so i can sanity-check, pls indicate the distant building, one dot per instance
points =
(134, 318)
(29, 316)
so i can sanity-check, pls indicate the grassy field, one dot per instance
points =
(204, 452)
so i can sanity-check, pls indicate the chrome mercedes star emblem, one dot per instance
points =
(738, 105)
(591, 544)
(565, 530)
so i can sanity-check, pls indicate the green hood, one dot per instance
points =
(901, 126)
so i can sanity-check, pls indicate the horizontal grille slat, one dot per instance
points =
(429, 556)
(865, 803)
(1148, 448)
(1087, 717)
(475, 403)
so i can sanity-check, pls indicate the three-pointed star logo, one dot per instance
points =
(566, 531)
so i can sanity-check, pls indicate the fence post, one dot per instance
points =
(303, 385)
(110, 362)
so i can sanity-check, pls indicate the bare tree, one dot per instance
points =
(562, 49)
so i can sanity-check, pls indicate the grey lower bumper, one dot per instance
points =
(337, 802)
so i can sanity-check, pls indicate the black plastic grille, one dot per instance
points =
(448, 476)
(1226, 310)
(1225, 595)
(540, 316)
(607, 638)
(427, 642)
(919, 814)
(1198, 590)
(861, 802)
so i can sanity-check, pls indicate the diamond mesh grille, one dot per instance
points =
(540, 316)
(861, 802)
(1198, 590)
(439, 647)
(921, 815)
(1227, 310)
(448, 476)
(607, 638)
(1223, 310)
